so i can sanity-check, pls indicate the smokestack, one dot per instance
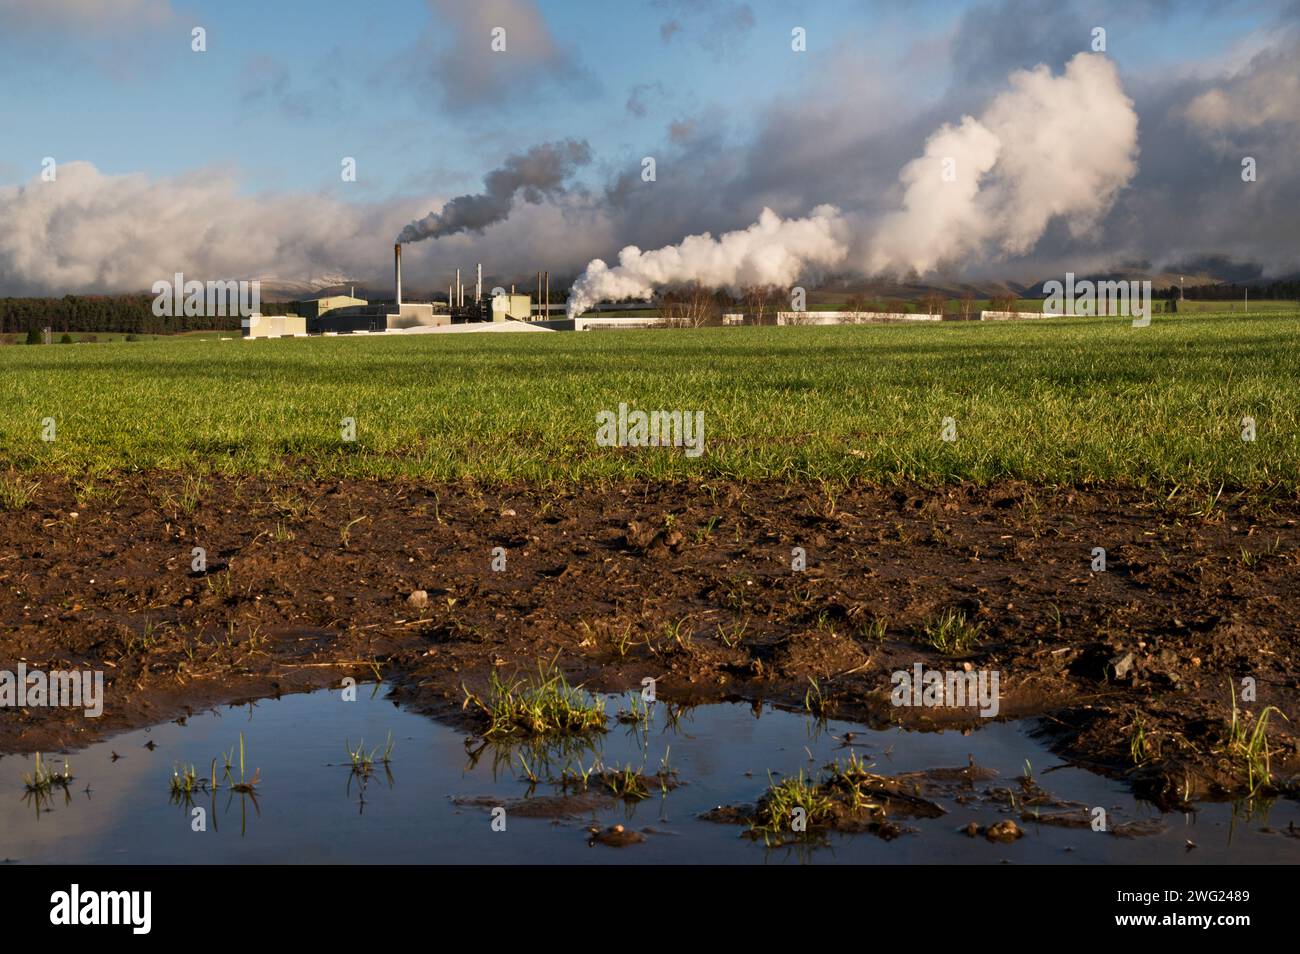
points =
(458, 294)
(478, 284)
(546, 301)
(539, 294)
(397, 270)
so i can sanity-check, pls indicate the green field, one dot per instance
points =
(1054, 400)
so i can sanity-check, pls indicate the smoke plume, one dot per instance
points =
(1051, 146)
(538, 174)
(771, 251)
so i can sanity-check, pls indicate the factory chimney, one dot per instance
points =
(546, 300)
(397, 270)
(460, 299)
(478, 284)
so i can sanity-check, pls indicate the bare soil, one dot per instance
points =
(690, 584)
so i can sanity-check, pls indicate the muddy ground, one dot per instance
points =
(690, 584)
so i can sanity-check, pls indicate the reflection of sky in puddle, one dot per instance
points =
(309, 807)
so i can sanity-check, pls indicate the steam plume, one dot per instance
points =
(771, 251)
(537, 174)
(1049, 146)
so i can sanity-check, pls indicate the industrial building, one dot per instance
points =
(258, 325)
(348, 314)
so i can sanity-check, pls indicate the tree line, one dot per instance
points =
(118, 313)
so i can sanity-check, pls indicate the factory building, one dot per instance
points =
(511, 307)
(258, 325)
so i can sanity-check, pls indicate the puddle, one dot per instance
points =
(434, 803)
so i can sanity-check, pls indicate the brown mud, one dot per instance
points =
(1130, 671)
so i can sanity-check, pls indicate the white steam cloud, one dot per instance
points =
(89, 231)
(771, 251)
(1050, 146)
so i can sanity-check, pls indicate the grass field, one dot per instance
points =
(1054, 400)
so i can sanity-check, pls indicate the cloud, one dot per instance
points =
(266, 81)
(1266, 93)
(85, 15)
(87, 231)
(638, 95)
(1050, 147)
(717, 25)
(90, 232)
(470, 74)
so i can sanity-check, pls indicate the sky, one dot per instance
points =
(229, 162)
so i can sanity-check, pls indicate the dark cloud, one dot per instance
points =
(714, 24)
(469, 74)
(638, 97)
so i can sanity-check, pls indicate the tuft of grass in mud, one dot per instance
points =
(873, 630)
(789, 799)
(244, 785)
(16, 493)
(816, 702)
(42, 779)
(538, 705)
(952, 634)
(1246, 745)
(184, 782)
(363, 762)
(626, 783)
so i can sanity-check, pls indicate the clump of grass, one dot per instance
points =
(815, 701)
(952, 634)
(776, 808)
(734, 635)
(626, 783)
(1139, 748)
(636, 713)
(544, 704)
(363, 762)
(1247, 745)
(873, 630)
(17, 493)
(243, 786)
(184, 782)
(42, 780)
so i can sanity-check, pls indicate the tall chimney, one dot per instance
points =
(397, 270)
(458, 294)
(478, 284)
(546, 301)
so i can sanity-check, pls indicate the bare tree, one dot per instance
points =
(760, 302)
(933, 303)
(1003, 302)
(967, 305)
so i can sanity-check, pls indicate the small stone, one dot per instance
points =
(418, 599)
(1003, 831)
(508, 513)
(73, 515)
